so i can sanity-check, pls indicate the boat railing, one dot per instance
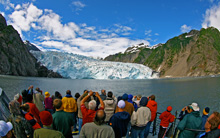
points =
(4, 108)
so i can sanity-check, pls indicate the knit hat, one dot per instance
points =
(194, 106)
(121, 104)
(5, 128)
(47, 94)
(46, 118)
(143, 101)
(169, 108)
(125, 97)
(206, 111)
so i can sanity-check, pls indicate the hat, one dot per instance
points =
(47, 94)
(125, 97)
(206, 111)
(46, 118)
(5, 128)
(121, 104)
(14, 107)
(143, 101)
(169, 108)
(194, 106)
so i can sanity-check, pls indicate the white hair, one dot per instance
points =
(92, 104)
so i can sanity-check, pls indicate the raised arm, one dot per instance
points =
(86, 98)
(100, 99)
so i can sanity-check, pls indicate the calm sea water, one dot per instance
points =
(175, 92)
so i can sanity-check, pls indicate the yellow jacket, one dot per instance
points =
(69, 104)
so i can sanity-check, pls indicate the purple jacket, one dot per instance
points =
(48, 103)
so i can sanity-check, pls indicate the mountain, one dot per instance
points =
(196, 53)
(31, 46)
(15, 58)
(81, 67)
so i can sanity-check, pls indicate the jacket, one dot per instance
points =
(119, 122)
(128, 108)
(48, 103)
(166, 118)
(47, 133)
(212, 134)
(153, 108)
(38, 100)
(141, 117)
(110, 105)
(34, 111)
(69, 104)
(190, 121)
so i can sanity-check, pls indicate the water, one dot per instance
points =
(175, 92)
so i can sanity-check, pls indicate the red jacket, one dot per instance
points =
(153, 108)
(34, 111)
(166, 118)
(28, 116)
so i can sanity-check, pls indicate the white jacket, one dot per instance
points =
(141, 117)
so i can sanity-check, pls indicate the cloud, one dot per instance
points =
(212, 17)
(78, 5)
(8, 5)
(156, 34)
(184, 28)
(52, 34)
(148, 32)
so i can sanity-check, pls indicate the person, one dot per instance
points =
(5, 129)
(119, 121)
(47, 131)
(70, 106)
(128, 108)
(166, 117)
(110, 105)
(58, 95)
(29, 117)
(136, 100)
(98, 128)
(152, 104)
(48, 102)
(191, 121)
(62, 121)
(140, 118)
(130, 97)
(33, 108)
(89, 114)
(184, 112)
(205, 116)
(211, 126)
(38, 99)
(18, 97)
(103, 94)
(22, 128)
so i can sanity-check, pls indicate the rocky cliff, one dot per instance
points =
(15, 58)
(196, 53)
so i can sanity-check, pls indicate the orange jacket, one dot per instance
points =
(166, 118)
(153, 108)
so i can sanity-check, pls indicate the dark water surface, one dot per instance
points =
(175, 92)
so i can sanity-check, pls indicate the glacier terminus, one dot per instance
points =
(75, 66)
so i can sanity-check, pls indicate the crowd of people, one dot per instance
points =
(93, 115)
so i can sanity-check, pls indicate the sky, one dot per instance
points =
(98, 28)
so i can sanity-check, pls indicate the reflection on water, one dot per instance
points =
(174, 92)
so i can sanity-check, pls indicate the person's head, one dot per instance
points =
(77, 95)
(57, 94)
(110, 94)
(125, 97)
(46, 118)
(68, 92)
(121, 104)
(29, 98)
(130, 96)
(103, 92)
(57, 104)
(143, 101)
(14, 107)
(18, 97)
(206, 111)
(5, 129)
(212, 121)
(92, 104)
(152, 97)
(99, 117)
(25, 107)
(169, 109)
(139, 97)
(194, 107)
(47, 94)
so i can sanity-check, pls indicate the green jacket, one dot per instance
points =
(190, 121)
(47, 133)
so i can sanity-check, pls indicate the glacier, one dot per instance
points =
(75, 66)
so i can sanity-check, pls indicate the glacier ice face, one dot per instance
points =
(81, 67)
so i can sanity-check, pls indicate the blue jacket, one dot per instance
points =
(204, 118)
(119, 122)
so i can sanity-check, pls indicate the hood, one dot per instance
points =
(152, 103)
(130, 96)
(122, 115)
(109, 101)
(196, 113)
(68, 95)
(143, 101)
